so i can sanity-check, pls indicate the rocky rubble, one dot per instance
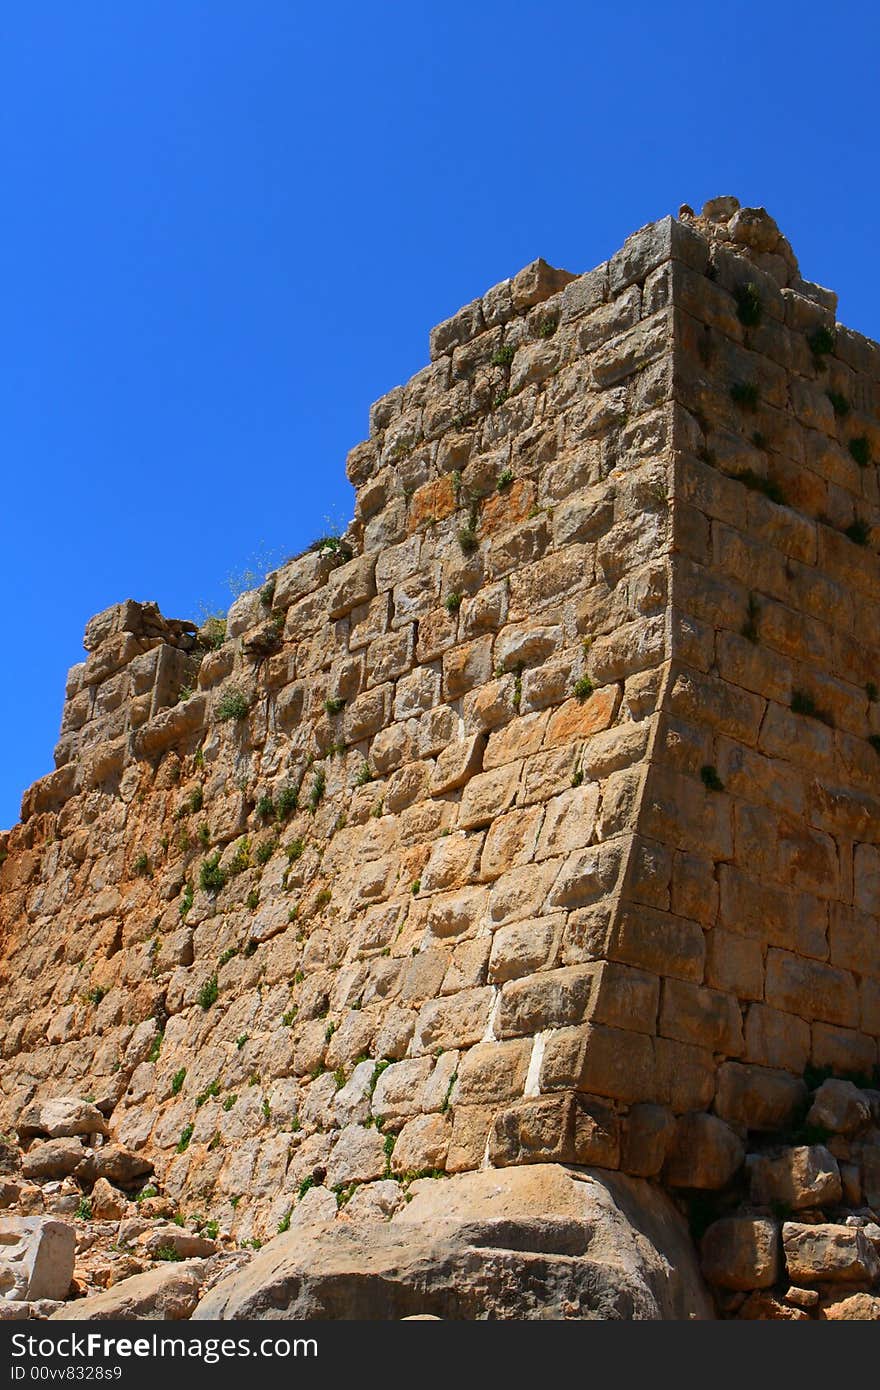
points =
(97, 1239)
(794, 1233)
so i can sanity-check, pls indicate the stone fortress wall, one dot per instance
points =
(536, 818)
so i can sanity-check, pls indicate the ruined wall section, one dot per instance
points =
(317, 907)
(755, 895)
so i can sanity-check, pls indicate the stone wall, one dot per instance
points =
(531, 815)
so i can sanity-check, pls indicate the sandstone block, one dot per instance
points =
(647, 1135)
(805, 1176)
(828, 1254)
(839, 1106)
(740, 1253)
(758, 1097)
(705, 1153)
(37, 1258)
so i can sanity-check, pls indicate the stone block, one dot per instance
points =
(741, 1253)
(38, 1254)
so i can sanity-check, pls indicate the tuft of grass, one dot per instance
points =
(265, 850)
(749, 629)
(241, 1040)
(252, 901)
(744, 394)
(548, 326)
(364, 775)
(177, 1081)
(227, 956)
(286, 803)
(294, 851)
(211, 877)
(821, 341)
(266, 808)
(233, 704)
(284, 1223)
(142, 866)
(583, 688)
(467, 539)
(453, 602)
(319, 786)
(756, 482)
(229, 1101)
(504, 356)
(839, 404)
(207, 995)
(417, 886)
(802, 702)
(204, 835)
(213, 634)
(155, 1050)
(710, 779)
(185, 1135)
(334, 704)
(748, 304)
(860, 450)
(96, 994)
(505, 479)
(84, 1210)
(859, 532)
(241, 859)
(210, 1091)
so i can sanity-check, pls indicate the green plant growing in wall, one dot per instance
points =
(756, 482)
(468, 539)
(334, 704)
(211, 877)
(749, 629)
(213, 633)
(744, 394)
(142, 866)
(453, 602)
(504, 356)
(505, 480)
(583, 688)
(265, 808)
(207, 995)
(177, 1081)
(821, 342)
(748, 304)
(318, 787)
(182, 1145)
(232, 705)
(860, 449)
(859, 531)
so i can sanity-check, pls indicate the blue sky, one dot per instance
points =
(229, 226)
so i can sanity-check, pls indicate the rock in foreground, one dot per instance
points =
(533, 1242)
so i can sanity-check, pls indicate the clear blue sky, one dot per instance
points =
(229, 225)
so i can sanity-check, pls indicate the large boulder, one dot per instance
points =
(36, 1257)
(527, 1242)
(61, 1118)
(55, 1158)
(169, 1293)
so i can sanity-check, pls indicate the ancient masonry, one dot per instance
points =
(537, 818)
